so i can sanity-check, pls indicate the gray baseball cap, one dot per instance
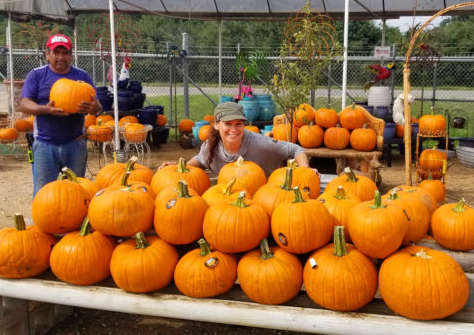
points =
(229, 111)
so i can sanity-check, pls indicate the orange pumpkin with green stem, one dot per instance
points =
(114, 172)
(310, 136)
(326, 117)
(202, 273)
(352, 117)
(250, 176)
(222, 193)
(67, 94)
(362, 187)
(336, 138)
(435, 187)
(339, 277)
(363, 139)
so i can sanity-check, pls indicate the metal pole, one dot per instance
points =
(75, 43)
(220, 59)
(114, 74)
(93, 69)
(185, 47)
(10, 67)
(346, 46)
(383, 31)
(103, 73)
(171, 81)
(329, 84)
(392, 82)
(435, 83)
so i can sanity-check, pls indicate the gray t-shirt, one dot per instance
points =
(263, 150)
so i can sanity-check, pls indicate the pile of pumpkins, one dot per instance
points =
(314, 128)
(10, 134)
(128, 222)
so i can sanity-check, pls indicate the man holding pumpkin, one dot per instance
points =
(59, 136)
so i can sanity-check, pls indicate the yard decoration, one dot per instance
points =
(419, 192)
(270, 276)
(363, 187)
(135, 132)
(416, 212)
(121, 211)
(352, 117)
(326, 117)
(338, 202)
(114, 172)
(23, 125)
(179, 215)
(377, 229)
(161, 120)
(186, 125)
(222, 193)
(432, 124)
(143, 264)
(89, 120)
(204, 132)
(435, 187)
(310, 136)
(202, 273)
(423, 284)
(305, 178)
(8, 134)
(339, 277)
(67, 94)
(82, 257)
(61, 205)
(170, 175)
(432, 159)
(23, 252)
(270, 196)
(250, 176)
(301, 226)
(236, 227)
(363, 139)
(336, 138)
(452, 226)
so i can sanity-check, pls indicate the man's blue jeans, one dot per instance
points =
(49, 159)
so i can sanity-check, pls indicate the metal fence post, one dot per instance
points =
(185, 48)
(329, 84)
(392, 82)
(220, 59)
(435, 83)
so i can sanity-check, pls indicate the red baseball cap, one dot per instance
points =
(57, 40)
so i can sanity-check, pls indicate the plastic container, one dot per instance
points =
(389, 131)
(226, 98)
(197, 126)
(159, 109)
(135, 86)
(250, 107)
(147, 116)
(106, 99)
(125, 100)
(266, 107)
(381, 112)
(379, 96)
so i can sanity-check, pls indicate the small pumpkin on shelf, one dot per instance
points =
(326, 117)
(363, 139)
(353, 117)
(336, 138)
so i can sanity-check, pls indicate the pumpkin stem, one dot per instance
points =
(183, 191)
(19, 222)
(430, 176)
(182, 165)
(393, 195)
(131, 163)
(350, 175)
(340, 193)
(288, 179)
(240, 161)
(67, 173)
(265, 251)
(124, 181)
(228, 187)
(205, 248)
(142, 243)
(240, 201)
(298, 195)
(422, 254)
(377, 201)
(459, 208)
(340, 249)
(85, 227)
(291, 163)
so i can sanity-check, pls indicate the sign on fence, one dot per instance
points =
(382, 52)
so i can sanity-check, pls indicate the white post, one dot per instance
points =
(346, 46)
(114, 74)
(220, 59)
(75, 43)
(185, 47)
(10, 67)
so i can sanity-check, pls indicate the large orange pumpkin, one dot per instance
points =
(426, 197)
(270, 276)
(363, 139)
(340, 277)
(202, 273)
(8, 134)
(82, 257)
(363, 187)
(67, 94)
(23, 252)
(353, 117)
(99, 133)
(326, 117)
(453, 226)
(61, 205)
(236, 227)
(432, 159)
(23, 125)
(128, 119)
(310, 136)
(186, 125)
(422, 283)
(284, 132)
(435, 187)
(179, 215)
(432, 124)
(377, 229)
(88, 185)
(142, 264)
(222, 193)
(170, 175)
(336, 138)
(103, 118)
(135, 132)
(250, 176)
(302, 225)
(112, 173)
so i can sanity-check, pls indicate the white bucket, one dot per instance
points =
(379, 96)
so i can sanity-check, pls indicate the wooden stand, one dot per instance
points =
(419, 171)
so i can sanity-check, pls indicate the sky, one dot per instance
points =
(405, 22)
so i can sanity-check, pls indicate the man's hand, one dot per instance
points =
(89, 107)
(50, 109)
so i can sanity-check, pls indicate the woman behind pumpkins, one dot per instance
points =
(228, 140)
